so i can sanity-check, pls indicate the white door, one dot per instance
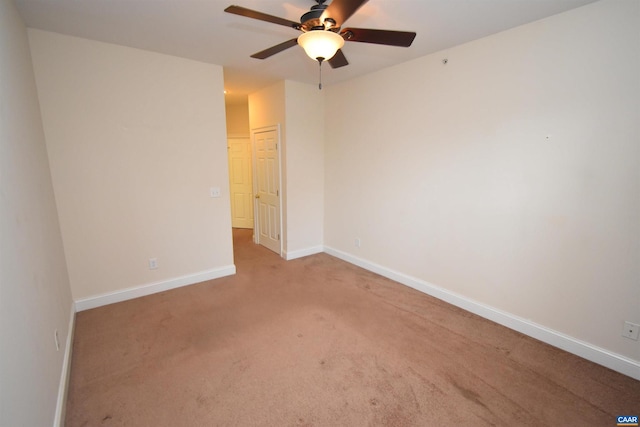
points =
(267, 188)
(240, 182)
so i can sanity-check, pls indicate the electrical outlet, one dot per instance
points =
(214, 191)
(57, 338)
(631, 330)
(357, 242)
(153, 263)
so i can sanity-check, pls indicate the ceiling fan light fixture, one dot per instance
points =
(320, 44)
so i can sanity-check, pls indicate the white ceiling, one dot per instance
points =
(201, 30)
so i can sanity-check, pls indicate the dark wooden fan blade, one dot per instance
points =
(341, 10)
(386, 37)
(338, 60)
(242, 11)
(275, 49)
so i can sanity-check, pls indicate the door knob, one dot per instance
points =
(257, 196)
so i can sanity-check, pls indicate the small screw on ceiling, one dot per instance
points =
(444, 61)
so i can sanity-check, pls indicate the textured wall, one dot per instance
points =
(135, 141)
(509, 176)
(35, 298)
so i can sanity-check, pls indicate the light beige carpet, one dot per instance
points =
(319, 342)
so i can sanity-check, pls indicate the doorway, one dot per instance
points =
(254, 176)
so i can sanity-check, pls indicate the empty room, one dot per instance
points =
(319, 213)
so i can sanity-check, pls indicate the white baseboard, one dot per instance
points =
(152, 288)
(557, 339)
(303, 252)
(61, 404)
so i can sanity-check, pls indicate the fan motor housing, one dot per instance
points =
(311, 19)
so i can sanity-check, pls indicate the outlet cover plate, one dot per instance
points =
(631, 331)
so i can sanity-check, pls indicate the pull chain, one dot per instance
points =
(320, 73)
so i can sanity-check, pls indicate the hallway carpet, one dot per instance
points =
(319, 342)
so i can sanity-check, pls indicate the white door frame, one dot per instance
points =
(256, 225)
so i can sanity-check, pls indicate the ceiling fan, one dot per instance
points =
(322, 36)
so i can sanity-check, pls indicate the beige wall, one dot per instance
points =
(35, 298)
(305, 168)
(135, 141)
(237, 119)
(267, 107)
(509, 176)
(302, 159)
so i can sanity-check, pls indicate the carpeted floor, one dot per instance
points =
(319, 342)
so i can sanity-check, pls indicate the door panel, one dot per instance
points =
(240, 182)
(268, 189)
